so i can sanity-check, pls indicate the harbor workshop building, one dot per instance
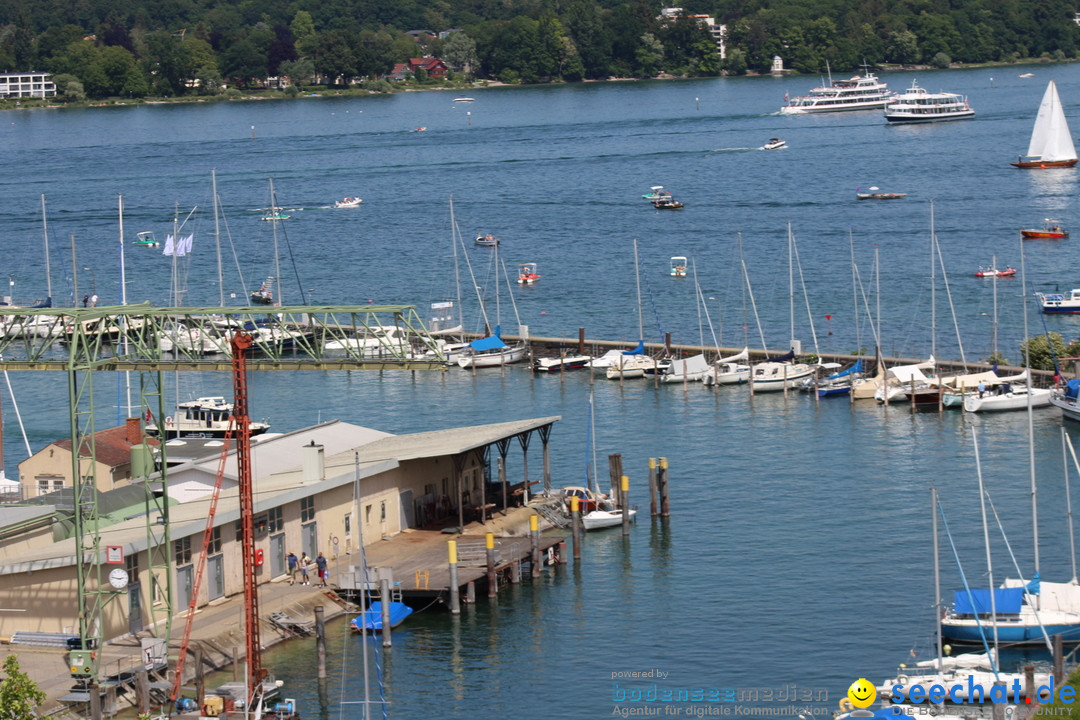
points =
(315, 491)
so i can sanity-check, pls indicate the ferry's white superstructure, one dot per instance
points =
(919, 105)
(861, 92)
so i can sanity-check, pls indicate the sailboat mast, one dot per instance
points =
(45, 233)
(937, 575)
(277, 258)
(791, 282)
(123, 301)
(176, 242)
(933, 278)
(217, 238)
(854, 289)
(454, 233)
(637, 278)
(1067, 446)
(994, 320)
(1030, 423)
(986, 539)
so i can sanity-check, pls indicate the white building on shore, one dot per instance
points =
(27, 85)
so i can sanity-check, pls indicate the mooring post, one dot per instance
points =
(142, 691)
(1059, 658)
(912, 396)
(653, 509)
(199, 684)
(1029, 683)
(95, 701)
(455, 591)
(470, 592)
(320, 641)
(384, 596)
(665, 504)
(534, 533)
(515, 572)
(562, 553)
(502, 481)
(581, 341)
(235, 663)
(625, 505)
(614, 472)
(575, 518)
(492, 580)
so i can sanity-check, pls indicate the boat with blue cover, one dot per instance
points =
(1026, 612)
(371, 620)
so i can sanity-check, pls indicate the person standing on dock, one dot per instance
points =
(304, 562)
(293, 562)
(320, 563)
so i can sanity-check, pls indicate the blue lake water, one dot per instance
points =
(798, 551)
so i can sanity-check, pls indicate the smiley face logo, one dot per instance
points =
(862, 693)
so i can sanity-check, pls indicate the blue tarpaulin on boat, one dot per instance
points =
(639, 350)
(1033, 586)
(1006, 600)
(856, 368)
(1072, 389)
(790, 355)
(371, 619)
(489, 343)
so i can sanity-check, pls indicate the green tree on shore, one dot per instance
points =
(19, 695)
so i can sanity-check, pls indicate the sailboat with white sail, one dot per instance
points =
(1051, 143)
(606, 513)
(634, 363)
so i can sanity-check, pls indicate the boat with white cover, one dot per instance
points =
(1008, 398)
(691, 369)
(860, 92)
(729, 370)
(919, 105)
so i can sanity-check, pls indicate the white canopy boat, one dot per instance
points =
(900, 379)
(729, 370)
(1007, 397)
(692, 369)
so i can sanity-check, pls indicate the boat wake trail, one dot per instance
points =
(747, 149)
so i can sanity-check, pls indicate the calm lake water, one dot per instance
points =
(798, 551)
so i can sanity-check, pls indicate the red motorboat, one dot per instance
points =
(1049, 231)
(994, 272)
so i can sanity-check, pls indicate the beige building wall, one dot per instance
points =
(53, 465)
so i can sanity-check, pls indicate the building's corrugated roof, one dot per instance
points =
(447, 442)
(11, 516)
(111, 446)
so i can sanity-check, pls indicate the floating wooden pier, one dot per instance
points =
(418, 560)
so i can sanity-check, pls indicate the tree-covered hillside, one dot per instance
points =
(136, 48)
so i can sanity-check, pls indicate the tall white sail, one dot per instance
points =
(1050, 140)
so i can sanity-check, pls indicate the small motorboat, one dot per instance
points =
(488, 240)
(527, 274)
(994, 272)
(561, 363)
(275, 214)
(774, 144)
(657, 192)
(876, 194)
(678, 266)
(348, 202)
(1050, 231)
(667, 204)
(146, 239)
(422, 128)
(463, 99)
(371, 620)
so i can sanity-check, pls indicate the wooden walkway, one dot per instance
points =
(420, 560)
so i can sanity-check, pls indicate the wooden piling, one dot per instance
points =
(653, 509)
(492, 578)
(615, 472)
(912, 398)
(95, 701)
(455, 590)
(562, 553)
(1059, 658)
(199, 676)
(534, 533)
(1029, 683)
(320, 641)
(515, 572)
(235, 663)
(502, 481)
(581, 341)
(384, 596)
(142, 691)
(625, 499)
(575, 518)
(662, 477)
(470, 592)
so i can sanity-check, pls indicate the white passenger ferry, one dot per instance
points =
(920, 105)
(861, 92)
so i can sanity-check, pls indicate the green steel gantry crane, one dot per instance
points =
(82, 341)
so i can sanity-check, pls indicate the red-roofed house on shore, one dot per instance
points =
(50, 469)
(433, 66)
